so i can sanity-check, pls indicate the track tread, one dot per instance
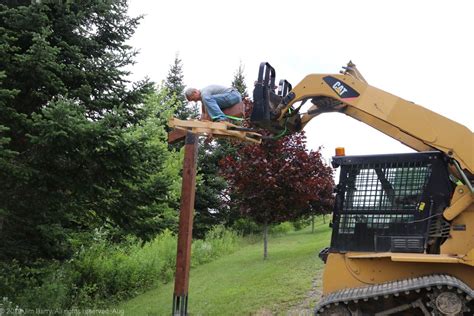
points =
(392, 288)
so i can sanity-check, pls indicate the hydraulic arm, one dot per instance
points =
(349, 93)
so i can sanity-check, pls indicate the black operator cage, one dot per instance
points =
(387, 202)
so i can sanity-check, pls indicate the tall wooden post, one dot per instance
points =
(183, 256)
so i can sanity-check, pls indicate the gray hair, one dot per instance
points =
(189, 91)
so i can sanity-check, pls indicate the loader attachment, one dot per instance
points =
(267, 103)
(263, 91)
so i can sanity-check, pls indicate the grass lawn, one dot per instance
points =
(243, 283)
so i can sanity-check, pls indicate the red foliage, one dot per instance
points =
(278, 180)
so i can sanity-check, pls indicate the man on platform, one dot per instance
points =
(215, 98)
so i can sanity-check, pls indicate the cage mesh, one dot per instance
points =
(379, 195)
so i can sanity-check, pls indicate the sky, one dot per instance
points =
(421, 51)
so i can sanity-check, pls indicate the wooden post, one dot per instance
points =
(183, 256)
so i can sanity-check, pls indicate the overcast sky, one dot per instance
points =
(421, 51)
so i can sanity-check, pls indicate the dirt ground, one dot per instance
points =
(306, 307)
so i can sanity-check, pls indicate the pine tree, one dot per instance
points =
(71, 157)
(211, 207)
(239, 81)
(174, 84)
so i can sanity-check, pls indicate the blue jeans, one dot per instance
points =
(214, 103)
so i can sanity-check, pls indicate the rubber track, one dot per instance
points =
(391, 288)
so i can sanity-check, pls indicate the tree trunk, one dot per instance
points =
(312, 223)
(265, 241)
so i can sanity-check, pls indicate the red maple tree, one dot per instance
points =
(278, 180)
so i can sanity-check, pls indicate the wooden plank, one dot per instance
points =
(176, 135)
(208, 128)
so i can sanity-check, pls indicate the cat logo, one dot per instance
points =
(343, 91)
(339, 88)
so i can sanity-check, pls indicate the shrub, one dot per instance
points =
(42, 285)
(301, 223)
(245, 226)
(7, 306)
(281, 228)
(104, 273)
(219, 241)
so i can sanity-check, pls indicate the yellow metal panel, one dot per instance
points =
(461, 236)
(461, 200)
(387, 129)
(341, 272)
(408, 257)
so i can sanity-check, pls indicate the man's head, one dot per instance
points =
(192, 94)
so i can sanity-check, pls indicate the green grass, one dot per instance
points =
(243, 283)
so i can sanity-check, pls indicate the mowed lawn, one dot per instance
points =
(244, 284)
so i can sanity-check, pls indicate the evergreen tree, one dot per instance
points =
(71, 157)
(211, 206)
(174, 84)
(239, 81)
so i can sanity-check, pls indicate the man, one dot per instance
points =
(215, 98)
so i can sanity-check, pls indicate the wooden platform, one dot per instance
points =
(213, 129)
